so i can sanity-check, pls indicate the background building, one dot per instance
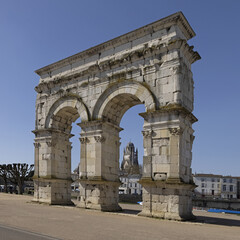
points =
(130, 171)
(216, 186)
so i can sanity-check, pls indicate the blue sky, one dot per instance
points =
(37, 33)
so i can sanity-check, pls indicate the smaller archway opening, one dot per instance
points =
(61, 123)
(75, 157)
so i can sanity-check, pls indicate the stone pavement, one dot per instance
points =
(74, 223)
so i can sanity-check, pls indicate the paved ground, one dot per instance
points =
(24, 220)
(10, 233)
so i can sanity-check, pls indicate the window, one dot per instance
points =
(224, 180)
(203, 185)
(213, 185)
(202, 179)
(218, 179)
(231, 188)
(213, 180)
(224, 188)
(230, 180)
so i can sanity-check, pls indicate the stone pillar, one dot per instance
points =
(167, 177)
(99, 166)
(52, 176)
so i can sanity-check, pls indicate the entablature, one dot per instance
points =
(176, 19)
(114, 62)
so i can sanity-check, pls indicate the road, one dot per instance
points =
(10, 233)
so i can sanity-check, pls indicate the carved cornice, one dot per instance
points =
(192, 137)
(157, 47)
(47, 132)
(171, 108)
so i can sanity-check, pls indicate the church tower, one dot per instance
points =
(129, 163)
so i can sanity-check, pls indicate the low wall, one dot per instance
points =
(233, 204)
(130, 198)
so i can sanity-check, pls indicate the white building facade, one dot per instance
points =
(216, 186)
(130, 185)
(229, 187)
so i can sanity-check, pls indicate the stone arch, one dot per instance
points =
(121, 96)
(67, 108)
(141, 56)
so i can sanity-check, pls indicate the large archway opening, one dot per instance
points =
(132, 124)
(125, 99)
(131, 158)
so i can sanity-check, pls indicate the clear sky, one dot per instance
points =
(36, 33)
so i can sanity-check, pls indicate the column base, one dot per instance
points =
(167, 200)
(52, 191)
(100, 195)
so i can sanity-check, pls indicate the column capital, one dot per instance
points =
(148, 133)
(176, 131)
(84, 140)
(49, 132)
(97, 125)
(99, 139)
(37, 144)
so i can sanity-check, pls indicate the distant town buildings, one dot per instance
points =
(75, 182)
(130, 172)
(217, 186)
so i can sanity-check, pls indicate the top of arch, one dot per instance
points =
(174, 19)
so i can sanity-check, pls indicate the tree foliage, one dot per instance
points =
(17, 174)
(4, 175)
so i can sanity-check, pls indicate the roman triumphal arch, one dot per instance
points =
(150, 66)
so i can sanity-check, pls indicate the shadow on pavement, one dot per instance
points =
(218, 221)
(130, 211)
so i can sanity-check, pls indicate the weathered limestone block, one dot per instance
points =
(100, 195)
(167, 179)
